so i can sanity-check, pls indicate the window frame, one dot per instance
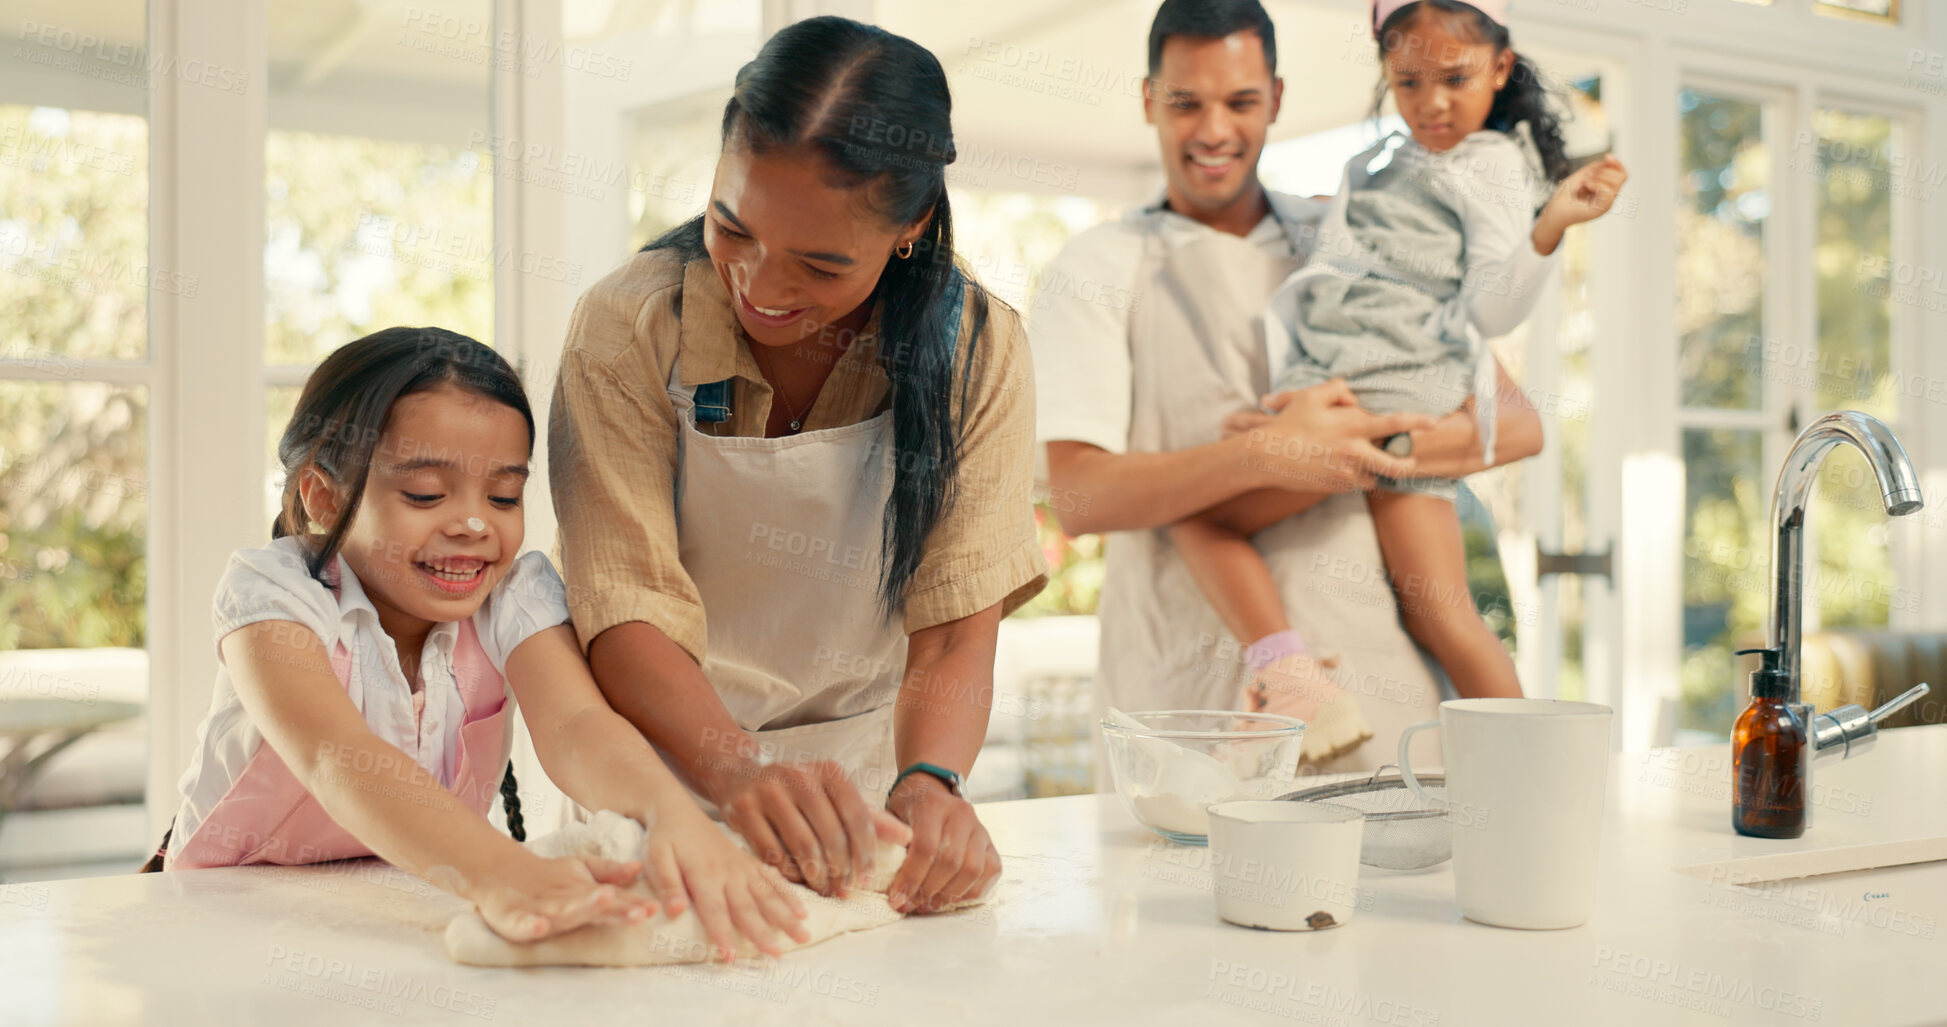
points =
(1794, 86)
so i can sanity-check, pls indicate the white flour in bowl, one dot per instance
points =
(1173, 813)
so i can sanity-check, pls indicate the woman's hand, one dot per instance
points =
(692, 862)
(950, 858)
(808, 821)
(532, 897)
(1583, 196)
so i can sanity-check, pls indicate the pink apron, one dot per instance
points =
(268, 816)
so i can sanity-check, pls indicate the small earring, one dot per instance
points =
(905, 251)
(314, 528)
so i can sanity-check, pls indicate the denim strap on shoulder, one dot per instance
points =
(712, 401)
(956, 300)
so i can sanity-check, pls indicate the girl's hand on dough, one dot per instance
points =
(537, 897)
(692, 862)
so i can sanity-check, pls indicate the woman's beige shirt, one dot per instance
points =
(612, 451)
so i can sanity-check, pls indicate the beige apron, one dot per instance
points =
(781, 537)
(1198, 351)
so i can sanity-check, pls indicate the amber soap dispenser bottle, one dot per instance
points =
(1771, 756)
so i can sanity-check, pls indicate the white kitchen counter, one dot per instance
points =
(1096, 921)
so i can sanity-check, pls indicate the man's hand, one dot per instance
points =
(1320, 440)
(1237, 422)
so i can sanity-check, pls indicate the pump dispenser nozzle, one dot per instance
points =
(1769, 681)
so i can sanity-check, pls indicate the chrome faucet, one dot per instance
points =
(1848, 730)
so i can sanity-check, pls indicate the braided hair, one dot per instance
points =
(510, 800)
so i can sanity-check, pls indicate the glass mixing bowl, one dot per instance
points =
(1171, 765)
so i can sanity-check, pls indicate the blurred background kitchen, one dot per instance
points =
(201, 198)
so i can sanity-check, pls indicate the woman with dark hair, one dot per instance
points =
(791, 453)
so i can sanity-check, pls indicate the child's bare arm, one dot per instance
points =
(603, 762)
(1583, 196)
(597, 757)
(386, 800)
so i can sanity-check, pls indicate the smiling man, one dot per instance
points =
(1147, 332)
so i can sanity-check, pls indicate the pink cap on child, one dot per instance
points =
(1495, 9)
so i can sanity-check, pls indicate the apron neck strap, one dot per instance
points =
(1298, 234)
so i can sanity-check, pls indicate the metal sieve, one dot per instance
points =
(1402, 833)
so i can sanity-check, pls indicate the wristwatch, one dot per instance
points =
(947, 777)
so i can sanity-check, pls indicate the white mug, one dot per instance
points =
(1525, 785)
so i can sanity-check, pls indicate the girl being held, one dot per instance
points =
(1437, 241)
(372, 653)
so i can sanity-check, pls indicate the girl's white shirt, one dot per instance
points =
(270, 583)
(1495, 183)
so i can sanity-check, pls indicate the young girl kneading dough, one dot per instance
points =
(372, 653)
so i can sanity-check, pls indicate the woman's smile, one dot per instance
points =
(770, 317)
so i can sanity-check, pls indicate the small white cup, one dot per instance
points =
(1285, 866)
(1525, 785)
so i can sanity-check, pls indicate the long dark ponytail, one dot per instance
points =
(875, 106)
(1524, 98)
